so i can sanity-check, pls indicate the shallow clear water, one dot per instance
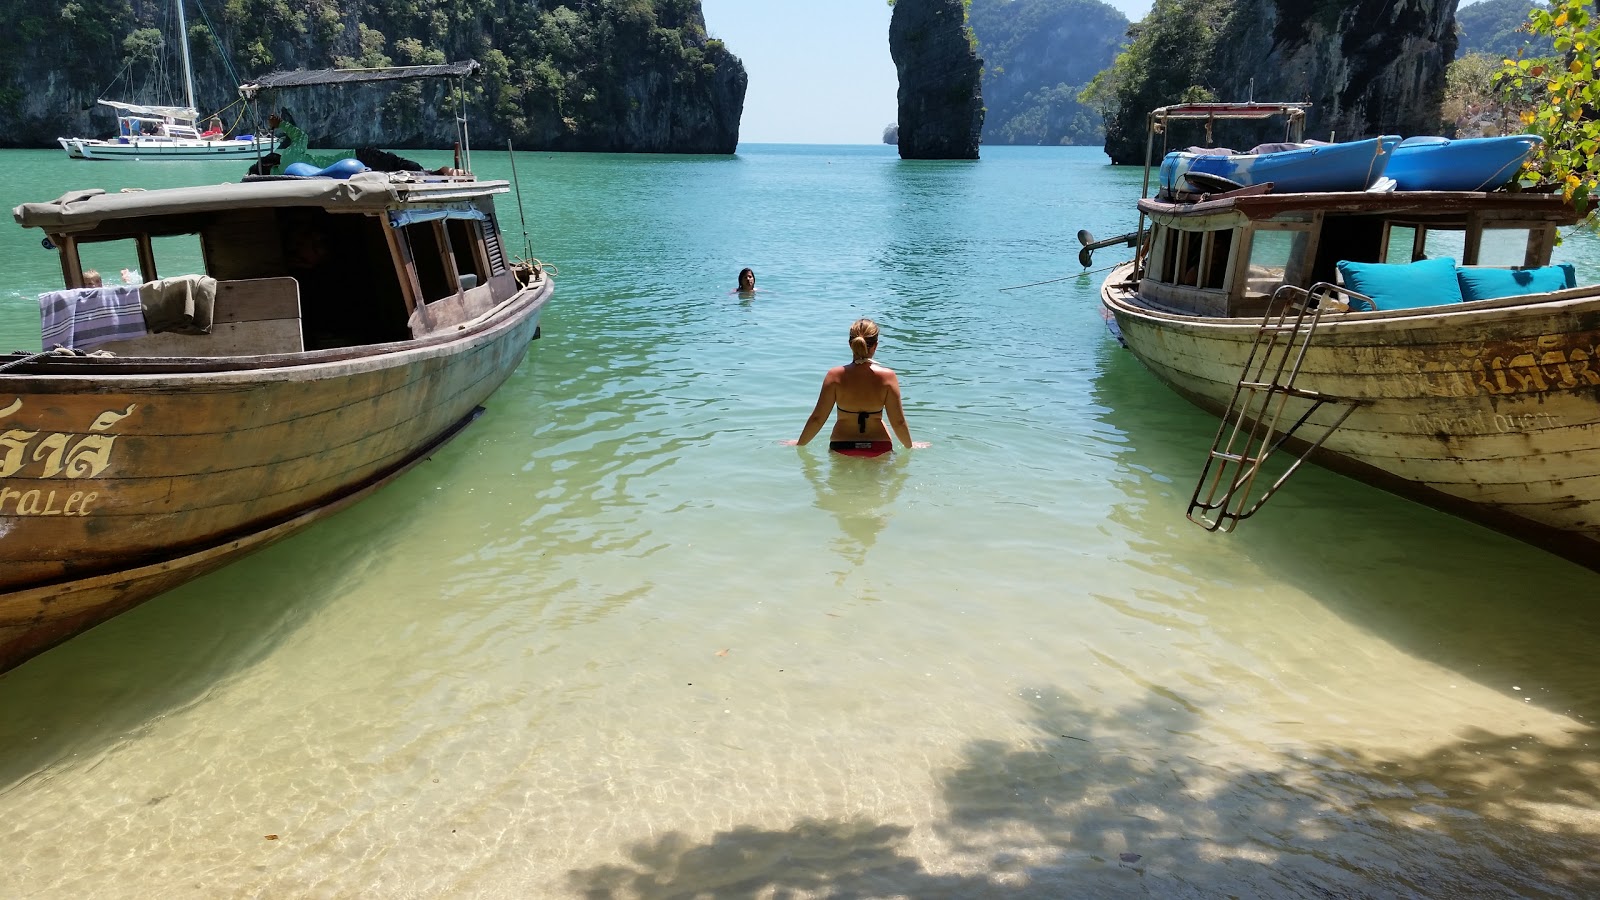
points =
(616, 641)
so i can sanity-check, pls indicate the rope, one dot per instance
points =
(54, 351)
(216, 38)
(1082, 274)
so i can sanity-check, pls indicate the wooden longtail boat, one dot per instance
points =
(1479, 395)
(357, 325)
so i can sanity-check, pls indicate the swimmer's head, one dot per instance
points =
(863, 339)
(747, 279)
(91, 278)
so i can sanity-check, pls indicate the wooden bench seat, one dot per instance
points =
(252, 317)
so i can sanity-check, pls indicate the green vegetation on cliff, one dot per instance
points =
(1495, 27)
(1168, 61)
(565, 74)
(1038, 56)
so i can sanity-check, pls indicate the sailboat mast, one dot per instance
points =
(188, 69)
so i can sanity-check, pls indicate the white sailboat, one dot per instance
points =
(166, 132)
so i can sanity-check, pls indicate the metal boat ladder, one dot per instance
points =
(1250, 432)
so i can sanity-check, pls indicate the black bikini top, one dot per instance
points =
(861, 417)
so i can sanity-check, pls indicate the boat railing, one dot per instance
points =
(1251, 431)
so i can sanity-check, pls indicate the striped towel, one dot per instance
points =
(88, 317)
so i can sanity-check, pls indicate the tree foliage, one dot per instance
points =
(1494, 27)
(1473, 105)
(1168, 61)
(1039, 55)
(1563, 94)
(553, 69)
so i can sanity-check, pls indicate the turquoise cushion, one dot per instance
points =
(1427, 282)
(1487, 284)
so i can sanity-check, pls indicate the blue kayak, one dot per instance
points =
(1466, 164)
(1307, 168)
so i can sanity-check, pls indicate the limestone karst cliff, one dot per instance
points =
(613, 75)
(941, 96)
(1368, 67)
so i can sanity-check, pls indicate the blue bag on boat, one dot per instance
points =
(343, 168)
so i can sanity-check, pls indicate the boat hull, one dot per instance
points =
(1490, 410)
(175, 150)
(133, 477)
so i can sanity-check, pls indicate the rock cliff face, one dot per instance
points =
(941, 95)
(641, 78)
(1368, 67)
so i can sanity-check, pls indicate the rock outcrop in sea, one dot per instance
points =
(941, 92)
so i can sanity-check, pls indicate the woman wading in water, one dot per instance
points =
(865, 394)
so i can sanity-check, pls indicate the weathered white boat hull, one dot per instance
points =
(82, 148)
(1489, 409)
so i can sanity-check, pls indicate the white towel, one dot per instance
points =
(88, 317)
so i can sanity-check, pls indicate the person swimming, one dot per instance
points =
(865, 394)
(747, 282)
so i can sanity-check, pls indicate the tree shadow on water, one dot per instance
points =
(1152, 800)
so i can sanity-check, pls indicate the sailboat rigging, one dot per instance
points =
(167, 132)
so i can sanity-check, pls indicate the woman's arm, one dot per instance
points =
(825, 401)
(896, 414)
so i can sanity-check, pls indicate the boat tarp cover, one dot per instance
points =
(371, 191)
(154, 112)
(311, 78)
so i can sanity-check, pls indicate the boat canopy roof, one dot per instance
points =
(154, 112)
(314, 77)
(367, 192)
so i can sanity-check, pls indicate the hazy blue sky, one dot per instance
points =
(820, 71)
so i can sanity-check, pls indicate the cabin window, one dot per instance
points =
(108, 259)
(429, 254)
(1408, 243)
(1507, 247)
(1277, 257)
(1214, 268)
(178, 254)
(1190, 245)
(464, 243)
(1402, 244)
(1167, 253)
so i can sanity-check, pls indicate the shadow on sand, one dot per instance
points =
(1124, 802)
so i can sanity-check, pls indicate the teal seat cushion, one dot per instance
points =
(1487, 284)
(1427, 282)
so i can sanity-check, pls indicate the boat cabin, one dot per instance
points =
(301, 264)
(1227, 255)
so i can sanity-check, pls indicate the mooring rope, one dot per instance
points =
(1066, 277)
(54, 351)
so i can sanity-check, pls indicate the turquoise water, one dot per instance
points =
(616, 640)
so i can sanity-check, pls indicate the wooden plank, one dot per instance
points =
(251, 317)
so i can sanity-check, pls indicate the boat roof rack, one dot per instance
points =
(314, 77)
(1249, 110)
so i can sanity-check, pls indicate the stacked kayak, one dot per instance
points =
(1414, 164)
(1302, 168)
(1467, 164)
